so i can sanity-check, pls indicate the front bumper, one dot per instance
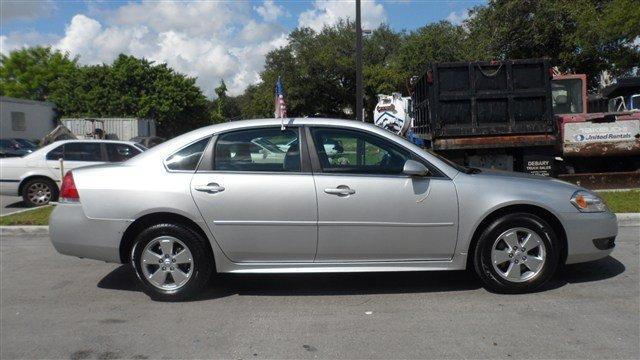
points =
(585, 232)
(73, 233)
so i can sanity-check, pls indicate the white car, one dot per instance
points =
(36, 176)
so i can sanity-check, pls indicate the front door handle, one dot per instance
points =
(341, 190)
(210, 188)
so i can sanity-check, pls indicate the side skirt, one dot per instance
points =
(226, 266)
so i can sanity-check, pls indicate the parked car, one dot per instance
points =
(12, 148)
(26, 144)
(148, 141)
(199, 203)
(36, 175)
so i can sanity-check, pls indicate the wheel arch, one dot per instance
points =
(147, 220)
(24, 181)
(543, 213)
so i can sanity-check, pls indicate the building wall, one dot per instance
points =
(123, 128)
(27, 119)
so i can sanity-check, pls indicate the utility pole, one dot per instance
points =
(359, 87)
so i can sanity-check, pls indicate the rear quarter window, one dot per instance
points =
(187, 158)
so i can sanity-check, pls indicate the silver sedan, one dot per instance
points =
(210, 201)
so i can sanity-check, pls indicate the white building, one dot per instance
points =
(26, 119)
(113, 128)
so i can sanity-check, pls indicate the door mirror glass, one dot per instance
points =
(414, 168)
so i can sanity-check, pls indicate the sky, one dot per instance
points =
(210, 39)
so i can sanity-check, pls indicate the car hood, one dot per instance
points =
(511, 175)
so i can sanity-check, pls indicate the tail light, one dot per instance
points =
(68, 190)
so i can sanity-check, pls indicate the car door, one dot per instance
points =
(368, 210)
(258, 210)
(74, 155)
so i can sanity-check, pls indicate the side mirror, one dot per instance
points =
(414, 168)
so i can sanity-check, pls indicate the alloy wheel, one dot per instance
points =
(166, 263)
(518, 255)
(39, 193)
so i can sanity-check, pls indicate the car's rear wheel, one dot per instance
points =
(39, 191)
(516, 253)
(172, 262)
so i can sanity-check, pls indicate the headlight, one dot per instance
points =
(586, 201)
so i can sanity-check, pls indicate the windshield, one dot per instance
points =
(566, 96)
(140, 146)
(26, 143)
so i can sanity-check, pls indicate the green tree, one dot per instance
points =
(317, 70)
(34, 73)
(437, 42)
(135, 88)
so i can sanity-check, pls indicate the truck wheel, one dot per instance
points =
(172, 262)
(39, 191)
(517, 253)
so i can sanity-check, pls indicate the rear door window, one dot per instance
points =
(55, 154)
(120, 152)
(83, 151)
(270, 150)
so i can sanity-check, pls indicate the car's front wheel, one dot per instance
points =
(516, 253)
(172, 261)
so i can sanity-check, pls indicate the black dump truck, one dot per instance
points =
(488, 114)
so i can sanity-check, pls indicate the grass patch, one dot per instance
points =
(37, 216)
(622, 201)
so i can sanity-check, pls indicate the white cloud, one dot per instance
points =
(25, 10)
(457, 18)
(269, 11)
(17, 40)
(329, 12)
(207, 40)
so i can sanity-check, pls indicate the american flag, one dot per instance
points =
(280, 104)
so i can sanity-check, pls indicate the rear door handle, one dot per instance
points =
(341, 190)
(210, 188)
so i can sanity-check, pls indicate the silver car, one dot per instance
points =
(201, 203)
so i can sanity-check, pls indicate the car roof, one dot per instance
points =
(163, 150)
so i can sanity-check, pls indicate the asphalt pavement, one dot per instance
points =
(55, 306)
(11, 204)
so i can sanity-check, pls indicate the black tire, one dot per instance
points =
(42, 183)
(482, 253)
(203, 262)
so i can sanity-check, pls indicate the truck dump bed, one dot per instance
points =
(484, 99)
